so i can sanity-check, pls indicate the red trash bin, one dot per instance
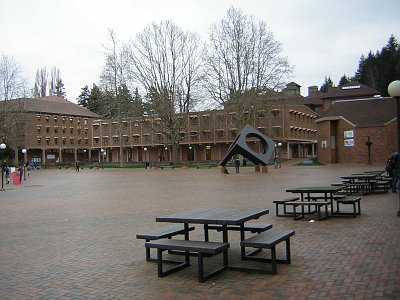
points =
(15, 178)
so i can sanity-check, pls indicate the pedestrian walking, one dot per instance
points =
(237, 164)
(77, 166)
(21, 171)
(277, 162)
(7, 171)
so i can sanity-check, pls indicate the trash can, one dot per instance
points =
(16, 178)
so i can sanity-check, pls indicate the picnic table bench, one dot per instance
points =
(163, 233)
(199, 247)
(309, 204)
(250, 227)
(354, 201)
(282, 202)
(268, 240)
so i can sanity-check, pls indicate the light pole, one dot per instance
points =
(103, 153)
(394, 91)
(190, 155)
(2, 147)
(24, 153)
(369, 144)
(84, 152)
(145, 156)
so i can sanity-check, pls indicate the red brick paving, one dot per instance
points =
(68, 235)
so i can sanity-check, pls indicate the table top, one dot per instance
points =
(315, 189)
(360, 176)
(223, 216)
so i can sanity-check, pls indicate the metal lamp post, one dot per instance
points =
(2, 147)
(103, 153)
(369, 144)
(145, 157)
(24, 153)
(394, 91)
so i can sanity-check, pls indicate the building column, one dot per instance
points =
(89, 155)
(60, 155)
(43, 156)
(288, 150)
(76, 155)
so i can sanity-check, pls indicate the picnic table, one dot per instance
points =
(216, 216)
(314, 196)
(363, 181)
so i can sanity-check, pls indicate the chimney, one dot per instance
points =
(312, 90)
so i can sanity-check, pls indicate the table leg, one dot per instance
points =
(242, 238)
(206, 237)
(225, 240)
(186, 226)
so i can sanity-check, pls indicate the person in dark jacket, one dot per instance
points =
(395, 172)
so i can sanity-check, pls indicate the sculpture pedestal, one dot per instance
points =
(257, 169)
(264, 169)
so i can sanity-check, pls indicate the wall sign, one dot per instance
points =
(348, 134)
(349, 143)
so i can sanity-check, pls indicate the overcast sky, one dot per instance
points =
(320, 38)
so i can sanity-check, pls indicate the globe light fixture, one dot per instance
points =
(394, 91)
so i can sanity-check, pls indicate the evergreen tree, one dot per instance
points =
(325, 86)
(84, 97)
(95, 100)
(59, 89)
(379, 69)
(343, 80)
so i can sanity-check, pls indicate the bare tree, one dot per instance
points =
(242, 60)
(12, 86)
(113, 80)
(166, 61)
(40, 88)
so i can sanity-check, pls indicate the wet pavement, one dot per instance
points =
(70, 235)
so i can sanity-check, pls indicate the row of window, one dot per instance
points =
(63, 119)
(63, 141)
(63, 129)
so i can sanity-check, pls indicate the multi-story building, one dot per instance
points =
(56, 131)
(208, 134)
(52, 130)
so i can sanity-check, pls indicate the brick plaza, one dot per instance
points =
(69, 235)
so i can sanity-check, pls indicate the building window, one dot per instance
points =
(71, 130)
(39, 129)
(71, 120)
(87, 141)
(79, 141)
(193, 120)
(38, 117)
(47, 119)
(63, 118)
(56, 140)
(79, 130)
(86, 131)
(78, 120)
(85, 121)
(39, 140)
(136, 139)
(55, 119)
(47, 129)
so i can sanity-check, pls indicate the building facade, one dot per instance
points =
(56, 131)
(52, 130)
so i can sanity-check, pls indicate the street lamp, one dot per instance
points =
(24, 153)
(2, 147)
(84, 151)
(394, 91)
(145, 157)
(103, 153)
(369, 144)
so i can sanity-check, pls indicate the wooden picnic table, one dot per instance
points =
(217, 216)
(313, 193)
(366, 178)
